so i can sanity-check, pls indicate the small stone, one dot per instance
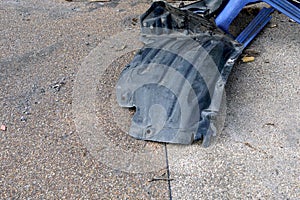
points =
(291, 20)
(272, 25)
(3, 127)
(23, 119)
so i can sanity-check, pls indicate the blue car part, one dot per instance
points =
(255, 26)
(209, 7)
(233, 8)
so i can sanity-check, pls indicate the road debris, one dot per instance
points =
(163, 176)
(23, 119)
(58, 84)
(257, 149)
(160, 179)
(186, 60)
(3, 127)
(269, 124)
(122, 48)
(251, 52)
(176, 81)
(272, 25)
(246, 59)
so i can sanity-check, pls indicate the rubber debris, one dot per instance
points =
(176, 81)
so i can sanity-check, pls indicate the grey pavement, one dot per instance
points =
(66, 137)
(257, 156)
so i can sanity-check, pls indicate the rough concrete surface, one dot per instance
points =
(65, 137)
(257, 156)
(42, 156)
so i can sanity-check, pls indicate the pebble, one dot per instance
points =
(23, 119)
(272, 25)
(3, 127)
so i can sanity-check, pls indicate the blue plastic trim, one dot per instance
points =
(233, 8)
(287, 8)
(230, 12)
(255, 26)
